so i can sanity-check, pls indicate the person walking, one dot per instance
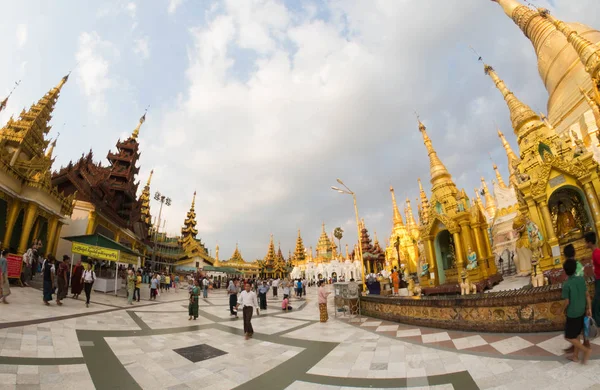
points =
(76, 284)
(62, 280)
(193, 306)
(4, 284)
(205, 284)
(590, 241)
(88, 278)
(249, 303)
(48, 271)
(153, 287)
(577, 305)
(232, 291)
(138, 284)
(262, 295)
(323, 294)
(176, 283)
(130, 286)
(286, 288)
(395, 281)
(275, 285)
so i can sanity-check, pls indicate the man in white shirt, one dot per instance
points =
(275, 284)
(248, 302)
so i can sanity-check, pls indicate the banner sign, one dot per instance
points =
(14, 265)
(127, 258)
(95, 251)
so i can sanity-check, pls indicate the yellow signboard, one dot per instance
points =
(95, 251)
(129, 259)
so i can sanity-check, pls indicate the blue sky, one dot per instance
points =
(260, 105)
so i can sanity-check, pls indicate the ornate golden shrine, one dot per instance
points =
(402, 248)
(248, 269)
(454, 231)
(33, 209)
(556, 184)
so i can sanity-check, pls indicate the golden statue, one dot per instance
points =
(565, 222)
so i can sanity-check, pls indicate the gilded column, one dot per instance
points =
(431, 259)
(480, 248)
(36, 230)
(55, 243)
(28, 220)
(11, 219)
(534, 215)
(551, 235)
(490, 261)
(118, 236)
(592, 199)
(52, 233)
(468, 240)
(458, 252)
(91, 226)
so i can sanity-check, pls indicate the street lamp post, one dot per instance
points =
(348, 191)
(166, 201)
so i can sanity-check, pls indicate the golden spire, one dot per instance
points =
(499, 177)
(189, 230)
(347, 253)
(150, 177)
(136, 131)
(5, 101)
(519, 111)
(589, 53)
(217, 253)
(478, 201)
(51, 148)
(397, 216)
(595, 106)
(424, 205)
(490, 203)
(145, 201)
(509, 152)
(410, 218)
(439, 173)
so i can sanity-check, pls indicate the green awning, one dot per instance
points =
(102, 247)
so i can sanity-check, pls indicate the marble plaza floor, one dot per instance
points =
(153, 345)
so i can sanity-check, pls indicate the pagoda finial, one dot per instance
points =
(439, 173)
(588, 52)
(193, 201)
(499, 177)
(478, 199)
(423, 205)
(150, 177)
(5, 101)
(397, 216)
(52, 146)
(63, 81)
(520, 113)
(347, 253)
(136, 131)
(490, 203)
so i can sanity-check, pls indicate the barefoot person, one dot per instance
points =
(88, 278)
(193, 306)
(574, 292)
(48, 272)
(248, 302)
(76, 283)
(323, 294)
(4, 284)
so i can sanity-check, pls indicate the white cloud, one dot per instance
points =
(141, 48)
(93, 72)
(21, 35)
(173, 5)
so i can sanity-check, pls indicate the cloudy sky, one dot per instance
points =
(260, 105)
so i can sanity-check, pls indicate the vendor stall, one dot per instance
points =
(99, 247)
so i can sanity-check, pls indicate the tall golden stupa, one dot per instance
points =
(559, 66)
(453, 231)
(403, 240)
(555, 178)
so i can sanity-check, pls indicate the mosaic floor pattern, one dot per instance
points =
(153, 345)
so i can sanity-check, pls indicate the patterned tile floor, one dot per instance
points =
(113, 345)
(541, 345)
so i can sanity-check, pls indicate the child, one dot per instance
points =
(574, 292)
(284, 304)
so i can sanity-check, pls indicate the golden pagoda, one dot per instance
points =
(299, 252)
(324, 247)
(145, 201)
(490, 203)
(237, 262)
(499, 178)
(272, 266)
(402, 248)
(453, 231)
(559, 64)
(556, 184)
(195, 252)
(33, 207)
